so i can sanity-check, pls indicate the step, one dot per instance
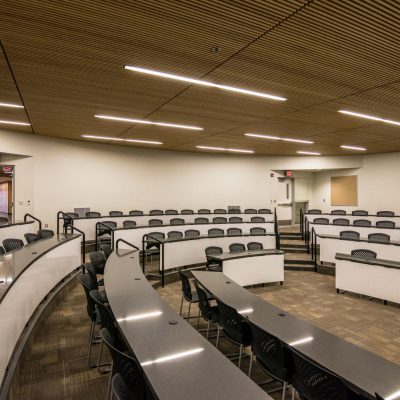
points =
(297, 267)
(299, 262)
(299, 238)
(292, 249)
(291, 234)
(326, 269)
(292, 245)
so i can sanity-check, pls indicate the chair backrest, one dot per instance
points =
(236, 220)
(87, 284)
(106, 249)
(12, 244)
(220, 220)
(379, 237)
(156, 212)
(338, 212)
(107, 319)
(45, 233)
(186, 288)
(155, 222)
(257, 231)
(213, 250)
(254, 246)
(177, 221)
(219, 211)
(204, 304)
(386, 224)
(204, 211)
(2, 251)
(312, 382)
(257, 219)
(236, 247)
(98, 260)
(363, 253)
(108, 224)
(186, 211)
(233, 231)
(72, 215)
(215, 232)
(125, 365)
(31, 237)
(115, 213)
(136, 212)
(314, 211)
(192, 233)
(175, 235)
(91, 271)
(359, 212)
(92, 214)
(264, 211)
(349, 235)
(157, 235)
(361, 222)
(322, 221)
(234, 210)
(171, 212)
(119, 389)
(128, 224)
(201, 220)
(270, 353)
(385, 214)
(341, 221)
(250, 211)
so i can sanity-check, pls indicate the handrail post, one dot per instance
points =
(143, 254)
(315, 255)
(162, 265)
(312, 244)
(34, 218)
(301, 223)
(108, 229)
(73, 228)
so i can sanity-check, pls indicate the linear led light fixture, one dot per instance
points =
(393, 396)
(225, 149)
(116, 139)
(308, 153)
(204, 83)
(256, 135)
(11, 105)
(173, 356)
(14, 123)
(143, 121)
(136, 317)
(301, 341)
(371, 117)
(246, 311)
(353, 148)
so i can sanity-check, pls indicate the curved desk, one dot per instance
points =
(178, 362)
(27, 275)
(364, 371)
(16, 230)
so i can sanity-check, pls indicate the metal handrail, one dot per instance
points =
(108, 229)
(64, 217)
(126, 242)
(276, 229)
(73, 228)
(36, 219)
(162, 255)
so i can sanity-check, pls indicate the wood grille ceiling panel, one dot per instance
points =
(323, 55)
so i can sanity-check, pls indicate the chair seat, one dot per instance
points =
(213, 315)
(195, 297)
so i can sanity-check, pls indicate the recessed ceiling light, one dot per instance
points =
(353, 148)
(308, 153)
(14, 123)
(204, 83)
(257, 135)
(225, 149)
(11, 105)
(371, 117)
(142, 121)
(116, 139)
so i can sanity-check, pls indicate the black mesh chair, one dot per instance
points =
(250, 211)
(386, 224)
(12, 244)
(72, 215)
(322, 221)
(208, 312)
(338, 212)
(91, 271)
(115, 213)
(257, 219)
(234, 211)
(271, 356)
(363, 253)
(313, 382)
(215, 232)
(254, 246)
(153, 242)
(361, 222)
(219, 211)
(31, 237)
(192, 233)
(156, 212)
(235, 327)
(155, 222)
(175, 235)
(314, 211)
(349, 235)
(187, 212)
(385, 214)
(177, 221)
(257, 231)
(98, 260)
(104, 225)
(92, 214)
(220, 220)
(106, 249)
(359, 212)
(45, 233)
(201, 220)
(127, 366)
(2, 251)
(379, 237)
(136, 213)
(119, 389)
(171, 212)
(213, 265)
(234, 232)
(341, 221)
(204, 211)
(235, 220)
(128, 224)
(264, 211)
(237, 247)
(187, 294)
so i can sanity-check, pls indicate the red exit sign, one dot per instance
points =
(288, 173)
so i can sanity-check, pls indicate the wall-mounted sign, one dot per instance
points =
(7, 170)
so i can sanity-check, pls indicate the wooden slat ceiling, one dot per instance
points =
(67, 58)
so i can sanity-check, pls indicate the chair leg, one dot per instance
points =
(250, 364)
(208, 329)
(90, 346)
(198, 320)
(109, 394)
(240, 355)
(293, 392)
(99, 358)
(284, 391)
(180, 311)
(188, 316)
(216, 343)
